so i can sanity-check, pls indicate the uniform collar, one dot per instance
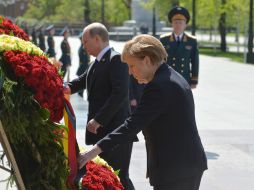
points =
(181, 36)
(102, 52)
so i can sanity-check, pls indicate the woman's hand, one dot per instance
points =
(89, 155)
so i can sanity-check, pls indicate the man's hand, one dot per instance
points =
(92, 126)
(87, 156)
(67, 90)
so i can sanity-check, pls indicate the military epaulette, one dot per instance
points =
(189, 35)
(166, 35)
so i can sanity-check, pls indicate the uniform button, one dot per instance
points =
(174, 58)
(181, 71)
(182, 59)
(174, 65)
(182, 65)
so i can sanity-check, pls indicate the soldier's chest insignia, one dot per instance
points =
(188, 47)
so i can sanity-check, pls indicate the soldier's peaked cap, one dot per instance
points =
(39, 27)
(65, 29)
(177, 12)
(50, 27)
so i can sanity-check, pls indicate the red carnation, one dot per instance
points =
(21, 71)
(7, 27)
(99, 177)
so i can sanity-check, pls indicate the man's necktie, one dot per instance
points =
(178, 40)
(92, 71)
(95, 65)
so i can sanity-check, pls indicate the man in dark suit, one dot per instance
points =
(182, 49)
(175, 155)
(106, 82)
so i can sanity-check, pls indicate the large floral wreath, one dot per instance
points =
(31, 99)
(31, 106)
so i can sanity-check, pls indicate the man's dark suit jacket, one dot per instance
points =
(107, 92)
(166, 117)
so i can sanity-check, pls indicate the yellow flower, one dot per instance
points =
(98, 160)
(8, 43)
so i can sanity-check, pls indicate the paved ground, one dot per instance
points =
(224, 112)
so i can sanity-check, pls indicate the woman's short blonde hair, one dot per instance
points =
(145, 45)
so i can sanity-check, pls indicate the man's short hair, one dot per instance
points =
(98, 29)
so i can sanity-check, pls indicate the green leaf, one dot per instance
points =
(117, 172)
(8, 85)
(61, 73)
(44, 113)
(1, 80)
(1, 19)
(11, 33)
(32, 51)
(60, 126)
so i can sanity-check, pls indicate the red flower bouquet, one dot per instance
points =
(43, 79)
(100, 177)
(7, 27)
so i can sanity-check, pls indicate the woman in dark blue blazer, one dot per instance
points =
(166, 115)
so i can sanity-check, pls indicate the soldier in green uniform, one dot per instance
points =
(34, 36)
(66, 53)
(41, 39)
(51, 43)
(182, 49)
(84, 60)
